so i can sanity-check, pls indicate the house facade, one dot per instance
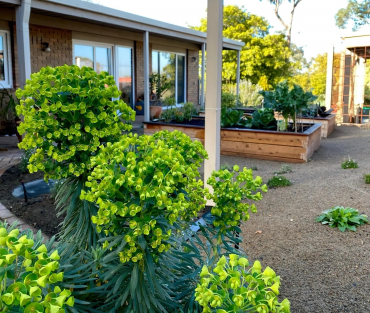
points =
(38, 33)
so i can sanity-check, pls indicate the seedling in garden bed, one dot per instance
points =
(284, 169)
(367, 178)
(254, 168)
(278, 181)
(349, 163)
(343, 218)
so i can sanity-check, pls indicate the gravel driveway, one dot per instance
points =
(322, 269)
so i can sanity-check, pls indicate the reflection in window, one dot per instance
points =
(5, 61)
(98, 58)
(84, 56)
(167, 65)
(124, 59)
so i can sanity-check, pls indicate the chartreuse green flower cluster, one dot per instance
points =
(68, 113)
(26, 275)
(232, 288)
(228, 192)
(142, 186)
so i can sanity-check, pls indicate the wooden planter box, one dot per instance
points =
(328, 123)
(251, 143)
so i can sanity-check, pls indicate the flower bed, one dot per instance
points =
(253, 143)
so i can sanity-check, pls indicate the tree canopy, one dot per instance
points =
(357, 12)
(264, 58)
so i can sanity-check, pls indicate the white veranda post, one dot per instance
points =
(146, 77)
(238, 74)
(214, 84)
(202, 84)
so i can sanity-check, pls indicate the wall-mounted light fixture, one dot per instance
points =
(193, 59)
(46, 46)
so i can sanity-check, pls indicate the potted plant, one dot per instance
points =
(159, 84)
(8, 113)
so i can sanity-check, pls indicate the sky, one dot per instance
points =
(313, 29)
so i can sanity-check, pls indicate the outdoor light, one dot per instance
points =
(46, 46)
(193, 59)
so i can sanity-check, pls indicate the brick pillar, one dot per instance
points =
(193, 77)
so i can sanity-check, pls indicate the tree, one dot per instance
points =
(358, 13)
(264, 57)
(287, 25)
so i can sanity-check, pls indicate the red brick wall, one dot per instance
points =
(60, 43)
(193, 77)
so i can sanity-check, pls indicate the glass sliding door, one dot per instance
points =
(180, 79)
(171, 69)
(124, 73)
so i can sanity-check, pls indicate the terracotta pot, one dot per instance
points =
(155, 112)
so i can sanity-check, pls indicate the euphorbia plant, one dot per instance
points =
(69, 114)
(232, 287)
(27, 276)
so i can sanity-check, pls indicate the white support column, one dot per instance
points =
(214, 85)
(146, 77)
(329, 77)
(237, 74)
(22, 15)
(202, 81)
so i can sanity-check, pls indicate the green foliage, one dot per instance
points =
(232, 287)
(229, 191)
(25, 160)
(29, 276)
(367, 178)
(357, 12)
(234, 118)
(278, 181)
(68, 113)
(8, 104)
(264, 119)
(349, 163)
(343, 218)
(159, 84)
(264, 58)
(226, 166)
(288, 101)
(248, 93)
(284, 169)
(180, 114)
(228, 100)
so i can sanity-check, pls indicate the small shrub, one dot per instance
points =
(29, 276)
(349, 163)
(234, 288)
(367, 178)
(278, 181)
(284, 169)
(25, 160)
(226, 166)
(343, 218)
(228, 100)
(254, 168)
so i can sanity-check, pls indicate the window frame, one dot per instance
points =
(8, 82)
(176, 72)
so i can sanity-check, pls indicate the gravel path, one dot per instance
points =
(322, 269)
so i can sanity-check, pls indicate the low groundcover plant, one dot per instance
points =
(343, 218)
(278, 181)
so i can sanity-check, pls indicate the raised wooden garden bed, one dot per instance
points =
(258, 144)
(328, 123)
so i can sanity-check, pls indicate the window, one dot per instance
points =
(5, 61)
(172, 66)
(96, 56)
(124, 74)
(100, 58)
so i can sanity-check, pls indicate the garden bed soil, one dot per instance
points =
(254, 143)
(39, 213)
